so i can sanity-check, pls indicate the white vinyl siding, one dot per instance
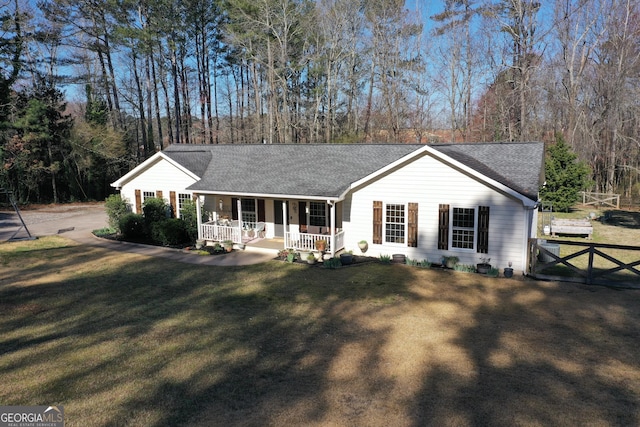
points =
(158, 176)
(429, 183)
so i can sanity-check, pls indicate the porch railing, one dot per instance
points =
(219, 233)
(307, 241)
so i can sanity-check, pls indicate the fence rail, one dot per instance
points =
(599, 268)
(606, 199)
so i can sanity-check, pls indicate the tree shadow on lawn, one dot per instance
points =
(540, 354)
(627, 219)
(141, 341)
(129, 340)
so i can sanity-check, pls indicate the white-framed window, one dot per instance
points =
(148, 195)
(182, 199)
(395, 223)
(463, 227)
(249, 213)
(318, 214)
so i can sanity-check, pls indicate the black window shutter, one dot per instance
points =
(234, 208)
(483, 230)
(302, 213)
(443, 227)
(261, 210)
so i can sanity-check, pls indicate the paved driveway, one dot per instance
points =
(77, 221)
(71, 219)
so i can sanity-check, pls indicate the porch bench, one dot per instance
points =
(575, 227)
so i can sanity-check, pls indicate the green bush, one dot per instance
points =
(189, 215)
(154, 210)
(116, 208)
(385, 259)
(467, 268)
(106, 231)
(132, 226)
(332, 263)
(169, 232)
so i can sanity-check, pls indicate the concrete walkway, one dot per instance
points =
(77, 222)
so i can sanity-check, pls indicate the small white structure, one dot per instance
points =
(424, 201)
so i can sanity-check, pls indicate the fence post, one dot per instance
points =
(590, 265)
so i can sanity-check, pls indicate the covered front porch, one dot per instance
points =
(283, 223)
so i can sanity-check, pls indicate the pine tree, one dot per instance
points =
(565, 176)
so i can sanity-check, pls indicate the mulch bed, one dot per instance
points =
(356, 260)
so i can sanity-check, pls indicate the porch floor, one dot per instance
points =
(273, 244)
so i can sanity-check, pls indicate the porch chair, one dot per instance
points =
(260, 229)
(313, 229)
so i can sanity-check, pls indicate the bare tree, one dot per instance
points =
(518, 20)
(394, 55)
(460, 65)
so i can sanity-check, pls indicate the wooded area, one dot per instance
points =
(90, 88)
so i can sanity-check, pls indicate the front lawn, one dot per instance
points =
(122, 339)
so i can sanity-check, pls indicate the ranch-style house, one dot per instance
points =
(472, 201)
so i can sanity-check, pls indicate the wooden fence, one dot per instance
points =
(601, 199)
(589, 263)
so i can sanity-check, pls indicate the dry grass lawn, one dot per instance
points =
(125, 340)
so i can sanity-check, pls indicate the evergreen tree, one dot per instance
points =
(565, 176)
(11, 46)
(34, 155)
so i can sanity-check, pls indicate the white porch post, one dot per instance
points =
(239, 205)
(198, 215)
(332, 207)
(285, 222)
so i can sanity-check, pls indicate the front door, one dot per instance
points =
(278, 219)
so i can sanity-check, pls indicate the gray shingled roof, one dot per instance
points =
(322, 170)
(327, 170)
(519, 166)
(195, 161)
